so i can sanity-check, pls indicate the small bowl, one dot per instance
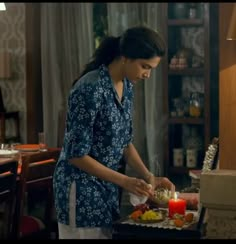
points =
(162, 196)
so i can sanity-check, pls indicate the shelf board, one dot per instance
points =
(181, 170)
(185, 22)
(178, 170)
(187, 71)
(186, 120)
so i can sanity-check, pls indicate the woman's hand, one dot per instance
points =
(160, 182)
(137, 186)
(163, 182)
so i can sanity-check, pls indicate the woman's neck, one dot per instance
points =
(116, 71)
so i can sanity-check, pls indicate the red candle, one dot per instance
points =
(177, 206)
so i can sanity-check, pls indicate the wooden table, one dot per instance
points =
(18, 157)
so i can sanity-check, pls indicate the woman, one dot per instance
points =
(99, 134)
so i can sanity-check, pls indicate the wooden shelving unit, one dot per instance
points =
(203, 77)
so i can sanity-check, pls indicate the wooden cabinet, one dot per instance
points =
(190, 72)
(227, 53)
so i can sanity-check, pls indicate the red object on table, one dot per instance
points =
(177, 206)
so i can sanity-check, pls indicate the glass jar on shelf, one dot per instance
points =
(192, 11)
(193, 139)
(177, 107)
(195, 106)
(191, 158)
(180, 10)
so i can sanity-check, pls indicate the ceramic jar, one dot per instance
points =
(191, 158)
(178, 157)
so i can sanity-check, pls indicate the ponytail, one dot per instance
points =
(107, 51)
(138, 42)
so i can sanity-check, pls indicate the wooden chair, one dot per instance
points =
(36, 176)
(8, 176)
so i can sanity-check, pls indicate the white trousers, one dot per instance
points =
(72, 232)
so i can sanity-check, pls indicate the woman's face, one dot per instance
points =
(139, 69)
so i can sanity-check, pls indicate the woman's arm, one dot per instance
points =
(93, 167)
(134, 160)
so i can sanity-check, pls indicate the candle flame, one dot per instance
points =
(175, 196)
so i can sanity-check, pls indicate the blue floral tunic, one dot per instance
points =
(98, 125)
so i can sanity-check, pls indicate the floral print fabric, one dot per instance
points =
(98, 125)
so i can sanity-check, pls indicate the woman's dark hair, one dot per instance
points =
(136, 43)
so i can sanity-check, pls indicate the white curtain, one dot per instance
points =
(149, 121)
(66, 46)
(155, 123)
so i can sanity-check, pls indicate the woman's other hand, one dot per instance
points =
(137, 186)
(160, 182)
(163, 182)
(164, 185)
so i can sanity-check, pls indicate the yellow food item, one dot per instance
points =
(151, 215)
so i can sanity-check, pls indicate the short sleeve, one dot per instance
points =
(83, 105)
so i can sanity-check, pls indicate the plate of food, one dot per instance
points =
(183, 221)
(148, 216)
(8, 153)
(27, 147)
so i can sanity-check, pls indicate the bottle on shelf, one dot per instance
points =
(194, 140)
(194, 147)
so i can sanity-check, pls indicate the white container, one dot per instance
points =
(191, 158)
(178, 157)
